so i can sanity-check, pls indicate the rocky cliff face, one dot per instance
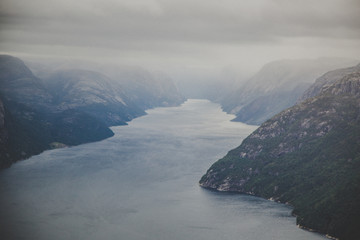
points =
(308, 156)
(327, 80)
(276, 87)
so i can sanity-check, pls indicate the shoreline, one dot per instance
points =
(59, 145)
(272, 200)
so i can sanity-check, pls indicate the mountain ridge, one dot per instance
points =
(142, 87)
(66, 108)
(307, 155)
(93, 93)
(326, 80)
(276, 86)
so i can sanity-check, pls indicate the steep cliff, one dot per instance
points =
(308, 156)
(327, 80)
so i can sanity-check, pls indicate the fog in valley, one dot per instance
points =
(112, 111)
(189, 40)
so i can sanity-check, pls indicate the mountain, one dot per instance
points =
(144, 88)
(327, 80)
(277, 86)
(68, 107)
(17, 83)
(29, 121)
(307, 156)
(93, 93)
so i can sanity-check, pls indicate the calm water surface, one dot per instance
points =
(141, 184)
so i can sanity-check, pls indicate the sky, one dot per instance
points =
(181, 35)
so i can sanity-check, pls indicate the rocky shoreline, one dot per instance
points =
(307, 156)
(273, 200)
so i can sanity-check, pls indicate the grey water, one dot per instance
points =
(141, 184)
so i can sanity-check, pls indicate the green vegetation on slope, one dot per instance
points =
(29, 131)
(30, 123)
(70, 107)
(308, 156)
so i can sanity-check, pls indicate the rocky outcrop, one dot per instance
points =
(308, 156)
(327, 80)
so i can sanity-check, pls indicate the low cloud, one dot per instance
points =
(166, 33)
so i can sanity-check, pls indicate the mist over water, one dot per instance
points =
(141, 184)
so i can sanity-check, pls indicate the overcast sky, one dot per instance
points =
(181, 35)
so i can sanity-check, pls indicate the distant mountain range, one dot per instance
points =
(66, 107)
(307, 155)
(277, 86)
(144, 88)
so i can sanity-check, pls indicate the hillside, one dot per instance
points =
(277, 86)
(93, 93)
(17, 83)
(144, 88)
(307, 156)
(327, 80)
(70, 106)
(30, 122)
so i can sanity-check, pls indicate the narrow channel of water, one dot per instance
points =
(141, 184)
